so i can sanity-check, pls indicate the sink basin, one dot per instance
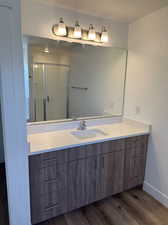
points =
(84, 134)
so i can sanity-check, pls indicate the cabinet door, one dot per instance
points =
(135, 161)
(82, 182)
(92, 178)
(111, 174)
(76, 184)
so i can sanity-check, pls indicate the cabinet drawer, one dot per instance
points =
(49, 212)
(52, 200)
(112, 146)
(137, 145)
(48, 159)
(52, 158)
(52, 172)
(76, 153)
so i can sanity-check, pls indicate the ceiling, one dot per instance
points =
(118, 10)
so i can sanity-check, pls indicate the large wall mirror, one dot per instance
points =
(69, 81)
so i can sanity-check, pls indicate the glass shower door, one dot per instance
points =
(50, 92)
(56, 92)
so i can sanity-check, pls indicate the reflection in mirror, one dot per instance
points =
(68, 80)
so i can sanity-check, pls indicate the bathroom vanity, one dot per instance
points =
(67, 178)
(73, 162)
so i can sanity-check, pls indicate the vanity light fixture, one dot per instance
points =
(77, 30)
(104, 35)
(91, 33)
(61, 31)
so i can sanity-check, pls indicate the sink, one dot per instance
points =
(84, 134)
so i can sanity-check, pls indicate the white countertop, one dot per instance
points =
(62, 139)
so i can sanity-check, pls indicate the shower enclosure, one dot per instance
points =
(49, 92)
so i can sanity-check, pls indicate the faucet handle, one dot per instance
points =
(82, 125)
(83, 122)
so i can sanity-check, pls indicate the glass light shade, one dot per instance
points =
(35, 66)
(46, 50)
(77, 31)
(61, 28)
(92, 33)
(104, 35)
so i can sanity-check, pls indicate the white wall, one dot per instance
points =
(147, 93)
(38, 19)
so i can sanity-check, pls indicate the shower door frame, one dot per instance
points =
(32, 103)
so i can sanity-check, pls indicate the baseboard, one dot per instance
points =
(155, 193)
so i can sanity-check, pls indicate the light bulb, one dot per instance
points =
(35, 66)
(92, 33)
(77, 31)
(104, 35)
(61, 31)
(46, 50)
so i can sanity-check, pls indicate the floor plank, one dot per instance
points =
(141, 210)
(75, 218)
(129, 210)
(115, 212)
(94, 216)
(150, 204)
(123, 211)
(153, 205)
(60, 220)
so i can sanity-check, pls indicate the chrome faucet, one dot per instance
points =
(82, 125)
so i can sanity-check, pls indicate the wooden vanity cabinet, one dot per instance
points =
(64, 180)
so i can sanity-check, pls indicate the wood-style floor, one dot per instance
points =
(134, 207)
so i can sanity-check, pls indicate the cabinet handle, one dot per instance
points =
(103, 162)
(51, 207)
(44, 109)
(35, 110)
(95, 164)
(48, 98)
